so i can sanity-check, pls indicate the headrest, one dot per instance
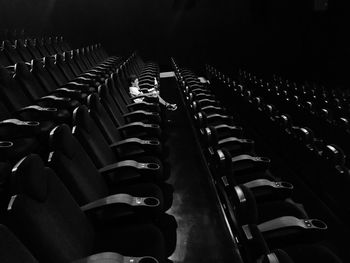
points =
(5, 76)
(62, 140)
(223, 158)
(7, 44)
(255, 243)
(37, 65)
(22, 69)
(93, 101)
(30, 176)
(102, 91)
(109, 83)
(20, 43)
(49, 61)
(81, 118)
(76, 52)
(60, 58)
(277, 256)
(334, 154)
(247, 210)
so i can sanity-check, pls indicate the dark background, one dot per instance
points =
(290, 37)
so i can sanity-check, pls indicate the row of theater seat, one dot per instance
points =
(320, 164)
(24, 50)
(324, 111)
(266, 215)
(83, 168)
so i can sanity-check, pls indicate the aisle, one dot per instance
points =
(201, 233)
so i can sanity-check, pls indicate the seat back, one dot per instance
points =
(86, 58)
(63, 66)
(91, 138)
(28, 82)
(55, 73)
(71, 63)
(12, 250)
(4, 60)
(40, 46)
(31, 46)
(78, 61)
(47, 42)
(11, 93)
(11, 52)
(23, 51)
(74, 167)
(43, 76)
(44, 215)
(99, 114)
(55, 45)
(119, 86)
(110, 106)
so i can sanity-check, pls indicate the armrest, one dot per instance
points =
(146, 84)
(266, 190)
(135, 127)
(236, 146)
(124, 199)
(247, 163)
(128, 145)
(17, 128)
(211, 109)
(225, 130)
(70, 93)
(53, 98)
(145, 95)
(58, 102)
(87, 81)
(131, 170)
(207, 102)
(220, 118)
(267, 183)
(144, 89)
(154, 107)
(40, 113)
(140, 115)
(203, 95)
(199, 90)
(87, 75)
(291, 222)
(112, 257)
(79, 86)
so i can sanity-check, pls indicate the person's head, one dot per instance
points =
(134, 81)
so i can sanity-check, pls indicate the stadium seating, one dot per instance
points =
(263, 209)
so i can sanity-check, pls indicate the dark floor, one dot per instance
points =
(201, 235)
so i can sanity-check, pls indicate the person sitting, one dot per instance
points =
(135, 91)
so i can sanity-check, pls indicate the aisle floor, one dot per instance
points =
(201, 234)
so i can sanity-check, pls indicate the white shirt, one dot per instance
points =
(134, 92)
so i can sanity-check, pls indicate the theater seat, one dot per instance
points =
(74, 166)
(44, 215)
(12, 250)
(134, 129)
(102, 153)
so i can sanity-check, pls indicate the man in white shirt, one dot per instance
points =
(135, 92)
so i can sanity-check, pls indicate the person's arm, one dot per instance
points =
(134, 92)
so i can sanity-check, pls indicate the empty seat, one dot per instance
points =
(43, 214)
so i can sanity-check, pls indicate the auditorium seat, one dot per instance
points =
(134, 129)
(12, 250)
(67, 153)
(59, 231)
(89, 135)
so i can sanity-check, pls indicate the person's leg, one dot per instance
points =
(167, 104)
